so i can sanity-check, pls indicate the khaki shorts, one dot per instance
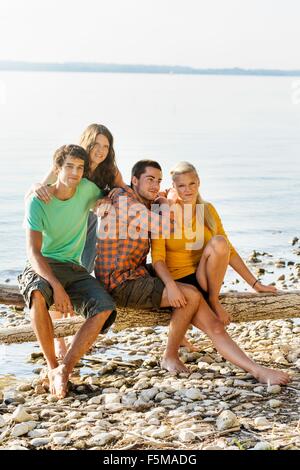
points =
(144, 292)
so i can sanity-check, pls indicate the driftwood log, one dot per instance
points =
(243, 307)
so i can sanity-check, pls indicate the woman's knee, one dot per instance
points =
(220, 245)
(217, 328)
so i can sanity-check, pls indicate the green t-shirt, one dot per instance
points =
(63, 223)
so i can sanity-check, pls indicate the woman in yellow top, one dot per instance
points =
(198, 253)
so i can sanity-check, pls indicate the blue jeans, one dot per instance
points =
(89, 252)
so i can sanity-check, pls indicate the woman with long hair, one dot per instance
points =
(198, 252)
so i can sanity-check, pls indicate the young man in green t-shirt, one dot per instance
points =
(56, 234)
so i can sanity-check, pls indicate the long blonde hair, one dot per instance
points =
(185, 167)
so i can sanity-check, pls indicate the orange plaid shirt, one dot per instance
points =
(123, 239)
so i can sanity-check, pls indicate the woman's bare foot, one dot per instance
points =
(60, 348)
(271, 376)
(185, 343)
(221, 313)
(173, 364)
(58, 381)
(43, 378)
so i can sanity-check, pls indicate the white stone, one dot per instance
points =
(36, 433)
(186, 436)
(161, 432)
(59, 434)
(194, 394)
(2, 422)
(16, 447)
(274, 389)
(274, 403)
(259, 389)
(40, 441)
(211, 447)
(101, 439)
(110, 398)
(61, 441)
(262, 446)
(95, 400)
(114, 407)
(95, 414)
(31, 425)
(154, 421)
(149, 394)
(19, 430)
(261, 421)
(227, 420)
(20, 415)
(80, 434)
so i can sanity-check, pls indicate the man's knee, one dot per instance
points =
(220, 244)
(37, 299)
(99, 319)
(192, 294)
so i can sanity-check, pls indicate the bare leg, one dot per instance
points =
(82, 341)
(185, 343)
(60, 345)
(211, 272)
(43, 328)
(206, 320)
(180, 320)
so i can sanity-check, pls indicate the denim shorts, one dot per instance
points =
(88, 296)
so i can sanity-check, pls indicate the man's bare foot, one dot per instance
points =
(271, 376)
(58, 381)
(185, 343)
(221, 313)
(173, 364)
(60, 348)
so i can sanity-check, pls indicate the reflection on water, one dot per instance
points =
(13, 363)
(15, 368)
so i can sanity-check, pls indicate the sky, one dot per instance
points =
(197, 33)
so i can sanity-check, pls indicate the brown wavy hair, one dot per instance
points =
(105, 173)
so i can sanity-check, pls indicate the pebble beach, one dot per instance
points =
(125, 401)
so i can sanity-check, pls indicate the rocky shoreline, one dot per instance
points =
(136, 405)
(128, 402)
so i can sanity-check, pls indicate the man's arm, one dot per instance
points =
(41, 267)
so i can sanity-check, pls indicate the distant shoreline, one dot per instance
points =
(83, 67)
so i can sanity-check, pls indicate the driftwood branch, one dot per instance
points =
(242, 306)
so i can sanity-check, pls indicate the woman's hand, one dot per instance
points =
(112, 192)
(102, 206)
(172, 195)
(175, 295)
(41, 191)
(262, 288)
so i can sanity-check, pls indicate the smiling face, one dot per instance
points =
(187, 187)
(148, 184)
(71, 172)
(99, 151)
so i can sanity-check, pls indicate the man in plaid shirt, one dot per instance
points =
(122, 249)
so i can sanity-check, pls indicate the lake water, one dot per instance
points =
(242, 133)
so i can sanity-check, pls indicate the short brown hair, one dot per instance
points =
(74, 151)
(140, 167)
